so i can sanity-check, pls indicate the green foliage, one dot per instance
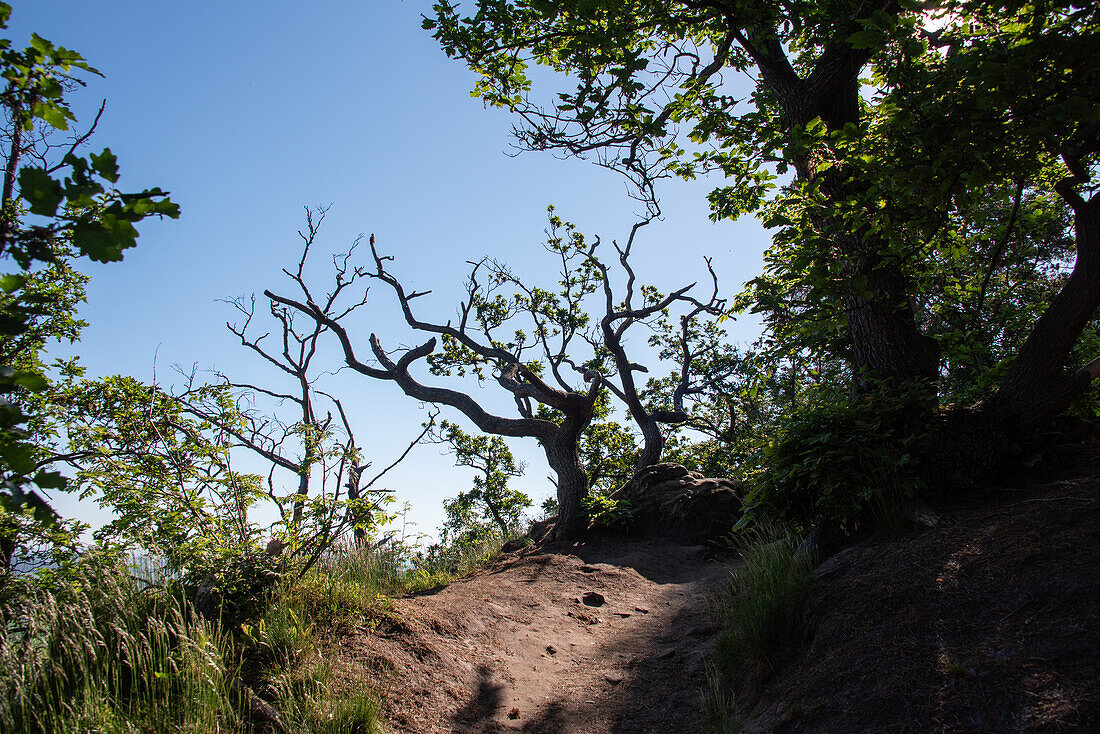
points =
(761, 608)
(516, 317)
(491, 506)
(167, 477)
(332, 601)
(838, 459)
(50, 213)
(603, 512)
(441, 563)
(906, 130)
(165, 470)
(608, 449)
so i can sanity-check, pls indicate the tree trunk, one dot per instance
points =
(564, 459)
(653, 443)
(1037, 388)
(496, 517)
(7, 550)
(885, 339)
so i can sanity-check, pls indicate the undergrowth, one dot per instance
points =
(91, 648)
(761, 625)
(848, 461)
(720, 713)
(98, 652)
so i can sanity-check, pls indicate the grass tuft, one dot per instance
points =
(720, 713)
(760, 610)
(121, 650)
(97, 653)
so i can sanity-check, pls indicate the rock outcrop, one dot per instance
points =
(671, 499)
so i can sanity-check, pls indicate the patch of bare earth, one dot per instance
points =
(603, 636)
(989, 622)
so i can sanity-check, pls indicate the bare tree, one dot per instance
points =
(555, 416)
(554, 392)
(619, 316)
(608, 338)
(321, 454)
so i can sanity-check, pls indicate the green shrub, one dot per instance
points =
(442, 563)
(603, 512)
(331, 601)
(760, 609)
(838, 460)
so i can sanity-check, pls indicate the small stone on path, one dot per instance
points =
(593, 599)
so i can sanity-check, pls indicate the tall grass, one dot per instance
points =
(760, 609)
(96, 653)
(443, 564)
(121, 650)
(720, 713)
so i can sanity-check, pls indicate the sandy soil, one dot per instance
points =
(604, 636)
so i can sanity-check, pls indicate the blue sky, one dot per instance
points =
(248, 111)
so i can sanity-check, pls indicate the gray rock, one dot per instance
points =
(670, 498)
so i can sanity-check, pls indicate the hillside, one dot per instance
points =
(987, 622)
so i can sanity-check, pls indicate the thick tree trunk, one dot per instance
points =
(885, 339)
(970, 446)
(564, 459)
(886, 342)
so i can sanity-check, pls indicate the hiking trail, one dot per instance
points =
(601, 637)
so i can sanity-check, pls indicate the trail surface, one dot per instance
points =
(594, 638)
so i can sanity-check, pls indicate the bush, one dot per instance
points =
(760, 610)
(442, 563)
(332, 602)
(838, 460)
(605, 513)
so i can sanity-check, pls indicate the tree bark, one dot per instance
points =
(653, 442)
(885, 339)
(497, 518)
(572, 481)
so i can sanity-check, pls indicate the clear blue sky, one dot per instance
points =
(247, 111)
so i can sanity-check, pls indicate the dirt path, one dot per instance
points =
(606, 636)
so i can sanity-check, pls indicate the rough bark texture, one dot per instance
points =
(572, 482)
(653, 442)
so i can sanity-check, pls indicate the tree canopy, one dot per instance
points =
(886, 144)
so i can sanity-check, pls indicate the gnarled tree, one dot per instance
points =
(619, 316)
(555, 392)
(320, 453)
